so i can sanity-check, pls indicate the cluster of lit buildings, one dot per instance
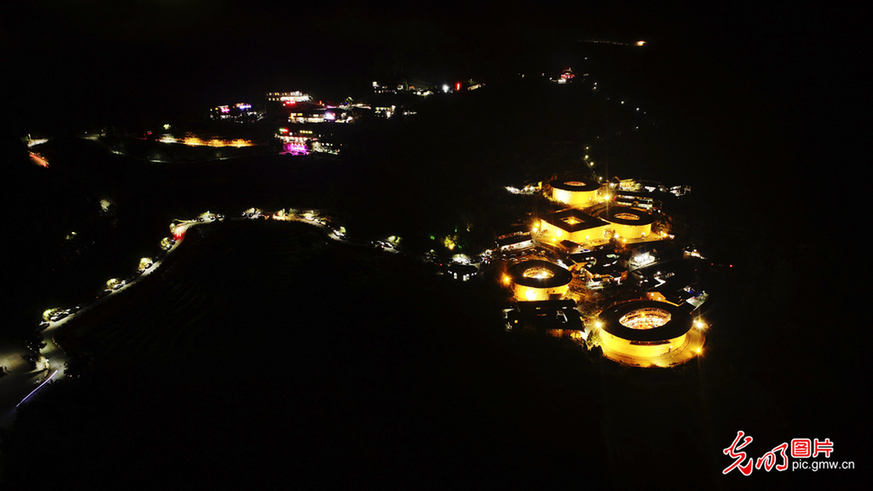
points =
(566, 77)
(304, 141)
(577, 226)
(239, 112)
(602, 242)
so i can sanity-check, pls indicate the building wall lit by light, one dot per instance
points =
(648, 332)
(538, 280)
(579, 193)
(529, 294)
(629, 223)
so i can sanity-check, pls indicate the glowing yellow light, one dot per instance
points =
(538, 273)
(505, 279)
(530, 295)
(192, 141)
(47, 315)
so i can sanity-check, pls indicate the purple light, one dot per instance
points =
(295, 149)
(36, 389)
(330, 116)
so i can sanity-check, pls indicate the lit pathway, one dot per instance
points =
(20, 381)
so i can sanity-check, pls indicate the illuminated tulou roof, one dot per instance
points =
(539, 274)
(646, 320)
(579, 184)
(625, 215)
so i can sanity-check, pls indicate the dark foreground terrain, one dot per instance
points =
(262, 354)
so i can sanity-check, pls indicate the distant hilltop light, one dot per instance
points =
(641, 43)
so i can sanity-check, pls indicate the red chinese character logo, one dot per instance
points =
(801, 448)
(825, 447)
(734, 452)
(768, 460)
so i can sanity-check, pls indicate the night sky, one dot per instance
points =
(786, 70)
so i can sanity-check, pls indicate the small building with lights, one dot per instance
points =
(236, 112)
(575, 226)
(558, 318)
(538, 280)
(462, 272)
(628, 223)
(287, 97)
(578, 193)
(649, 333)
(515, 242)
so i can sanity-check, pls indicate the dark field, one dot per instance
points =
(260, 351)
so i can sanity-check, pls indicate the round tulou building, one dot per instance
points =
(647, 332)
(577, 193)
(628, 223)
(538, 280)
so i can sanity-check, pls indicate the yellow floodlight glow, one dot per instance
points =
(530, 295)
(193, 141)
(47, 315)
